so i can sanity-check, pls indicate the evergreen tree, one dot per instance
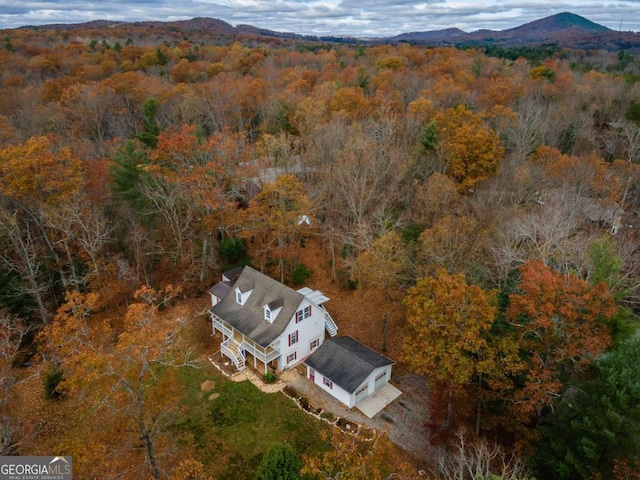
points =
(151, 128)
(281, 463)
(127, 174)
(596, 422)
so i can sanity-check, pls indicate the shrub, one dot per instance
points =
(270, 377)
(300, 274)
(281, 463)
(330, 417)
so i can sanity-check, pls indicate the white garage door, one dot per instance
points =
(381, 379)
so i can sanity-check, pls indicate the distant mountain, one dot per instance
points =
(448, 34)
(559, 23)
(200, 24)
(92, 25)
(564, 30)
(251, 30)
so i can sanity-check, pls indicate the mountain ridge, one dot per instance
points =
(565, 30)
(561, 21)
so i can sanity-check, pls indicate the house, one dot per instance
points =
(348, 370)
(265, 322)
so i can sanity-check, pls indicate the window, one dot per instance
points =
(314, 344)
(292, 357)
(307, 311)
(299, 315)
(242, 296)
(267, 314)
(293, 338)
(327, 382)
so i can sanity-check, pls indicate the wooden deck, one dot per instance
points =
(240, 345)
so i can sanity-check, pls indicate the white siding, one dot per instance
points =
(349, 398)
(335, 391)
(308, 329)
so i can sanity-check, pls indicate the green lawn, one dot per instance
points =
(232, 433)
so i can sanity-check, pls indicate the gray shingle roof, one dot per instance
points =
(249, 318)
(232, 275)
(220, 289)
(346, 362)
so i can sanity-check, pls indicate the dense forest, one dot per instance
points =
(490, 201)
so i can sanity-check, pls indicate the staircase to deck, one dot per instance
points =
(231, 349)
(330, 325)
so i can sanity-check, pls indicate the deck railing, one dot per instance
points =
(221, 326)
(244, 344)
(265, 355)
(231, 349)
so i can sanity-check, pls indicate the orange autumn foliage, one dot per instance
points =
(561, 323)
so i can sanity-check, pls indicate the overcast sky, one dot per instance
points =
(361, 18)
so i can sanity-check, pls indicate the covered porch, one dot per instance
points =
(236, 346)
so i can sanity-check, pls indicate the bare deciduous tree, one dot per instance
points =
(12, 332)
(479, 460)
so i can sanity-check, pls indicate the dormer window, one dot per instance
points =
(272, 309)
(241, 297)
(243, 289)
